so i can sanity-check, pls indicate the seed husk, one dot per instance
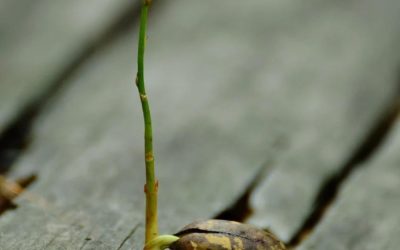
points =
(225, 235)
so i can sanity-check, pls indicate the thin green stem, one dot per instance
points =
(151, 185)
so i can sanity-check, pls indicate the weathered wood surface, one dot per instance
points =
(350, 65)
(366, 216)
(38, 41)
(225, 84)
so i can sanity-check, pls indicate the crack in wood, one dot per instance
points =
(128, 236)
(241, 209)
(329, 190)
(17, 135)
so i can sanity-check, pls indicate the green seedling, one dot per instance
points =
(204, 235)
(151, 185)
(152, 240)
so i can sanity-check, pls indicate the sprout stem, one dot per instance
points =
(151, 185)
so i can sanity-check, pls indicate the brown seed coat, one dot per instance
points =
(225, 235)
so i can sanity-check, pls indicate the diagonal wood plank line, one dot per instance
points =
(226, 84)
(328, 192)
(365, 214)
(15, 137)
(369, 35)
(77, 130)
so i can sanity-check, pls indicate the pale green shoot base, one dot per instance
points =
(160, 242)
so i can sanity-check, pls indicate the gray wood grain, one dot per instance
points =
(366, 216)
(39, 39)
(349, 64)
(225, 83)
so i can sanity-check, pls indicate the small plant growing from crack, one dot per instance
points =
(202, 235)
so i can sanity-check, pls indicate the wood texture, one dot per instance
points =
(349, 68)
(366, 215)
(227, 81)
(39, 39)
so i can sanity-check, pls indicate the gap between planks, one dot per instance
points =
(241, 209)
(17, 136)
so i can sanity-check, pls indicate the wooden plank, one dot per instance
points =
(348, 54)
(225, 83)
(39, 39)
(366, 216)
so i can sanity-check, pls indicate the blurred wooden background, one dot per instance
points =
(283, 114)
